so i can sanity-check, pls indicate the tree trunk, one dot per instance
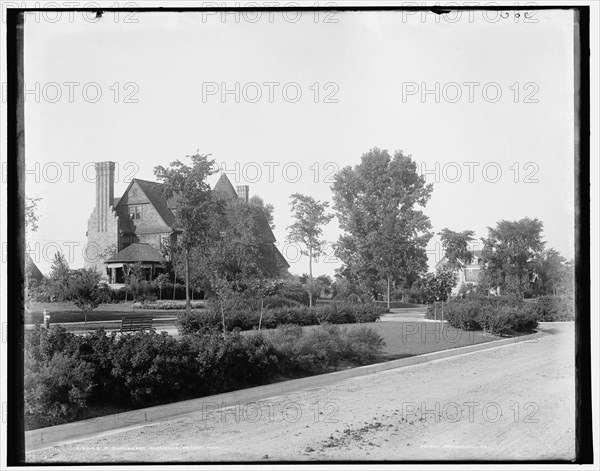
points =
(310, 286)
(223, 318)
(261, 313)
(188, 306)
(388, 292)
(174, 283)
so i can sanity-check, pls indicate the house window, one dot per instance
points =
(135, 212)
(472, 275)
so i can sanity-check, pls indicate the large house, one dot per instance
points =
(467, 272)
(135, 227)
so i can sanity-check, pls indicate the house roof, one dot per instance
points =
(476, 255)
(153, 190)
(154, 193)
(137, 252)
(164, 207)
(225, 186)
(32, 269)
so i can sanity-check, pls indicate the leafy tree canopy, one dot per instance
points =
(377, 203)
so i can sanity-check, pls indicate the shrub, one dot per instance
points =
(555, 308)
(245, 315)
(500, 316)
(65, 373)
(274, 302)
(110, 296)
(363, 345)
(168, 304)
(57, 382)
(148, 367)
(294, 291)
(318, 350)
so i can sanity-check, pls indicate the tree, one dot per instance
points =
(31, 219)
(172, 260)
(456, 247)
(321, 285)
(58, 281)
(554, 274)
(83, 290)
(385, 235)
(161, 282)
(262, 288)
(197, 206)
(31, 216)
(267, 208)
(307, 230)
(135, 281)
(510, 254)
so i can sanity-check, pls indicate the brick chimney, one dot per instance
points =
(243, 192)
(105, 193)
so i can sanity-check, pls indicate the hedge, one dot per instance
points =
(244, 317)
(555, 308)
(66, 374)
(168, 304)
(499, 316)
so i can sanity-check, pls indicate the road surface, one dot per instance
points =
(508, 403)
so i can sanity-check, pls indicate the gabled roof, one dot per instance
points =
(224, 186)
(32, 269)
(153, 192)
(476, 256)
(137, 252)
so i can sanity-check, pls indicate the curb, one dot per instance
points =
(76, 431)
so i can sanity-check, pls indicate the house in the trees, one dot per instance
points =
(467, 273)
(135, 227)
(32, 270)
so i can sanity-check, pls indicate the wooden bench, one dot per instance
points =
(135, 324)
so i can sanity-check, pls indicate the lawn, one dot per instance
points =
(405, 339)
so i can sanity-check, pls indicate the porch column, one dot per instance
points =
(113, 275)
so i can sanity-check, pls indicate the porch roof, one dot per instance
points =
(137, 252)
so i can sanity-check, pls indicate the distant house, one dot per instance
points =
(32, 269)
(467, 272)
(135, 227)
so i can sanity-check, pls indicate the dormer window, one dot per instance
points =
(135, 212)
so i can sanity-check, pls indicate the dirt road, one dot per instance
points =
(513, 402)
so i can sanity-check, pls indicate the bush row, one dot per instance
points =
(165, 304)
(498, 316)
(248, 317)
(555, 308)
(65, 373)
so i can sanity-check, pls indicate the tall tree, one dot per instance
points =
(197, 206)
(385, 234)
(267, 208)
(237, 258)
(310, 217)
(554, 274)
(456, 247)
(510, 254)
(31, 215)
(58, 280)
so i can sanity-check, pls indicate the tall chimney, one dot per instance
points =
(243, 192)
(105, 192)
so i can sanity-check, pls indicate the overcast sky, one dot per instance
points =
(313, 94)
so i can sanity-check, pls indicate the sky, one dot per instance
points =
(483, 104)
